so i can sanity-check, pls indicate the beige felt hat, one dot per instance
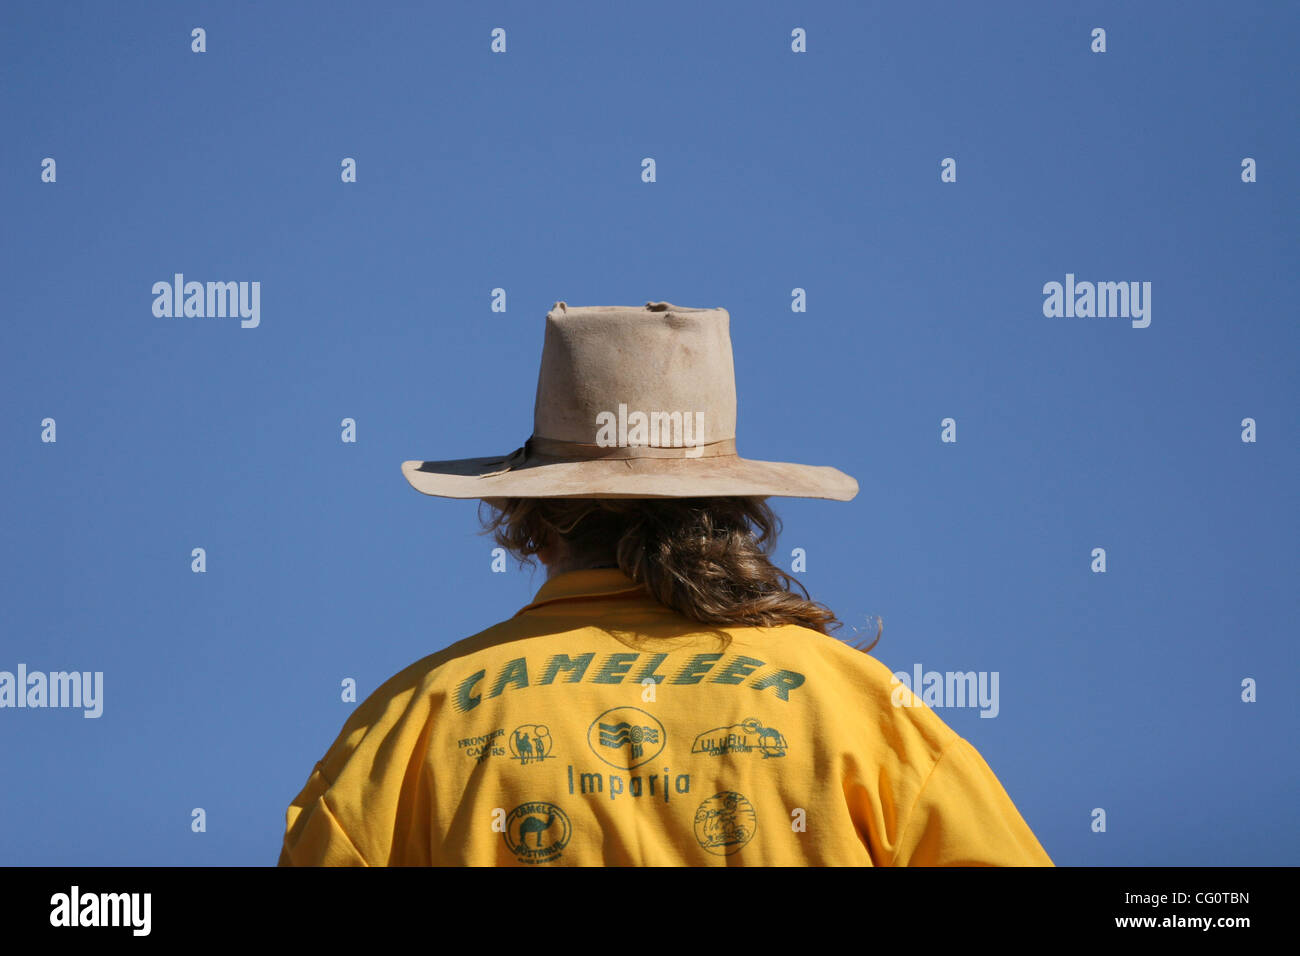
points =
(631, 403)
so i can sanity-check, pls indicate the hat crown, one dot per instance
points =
(607, 362)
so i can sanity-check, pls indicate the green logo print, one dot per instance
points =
(745, 737)
(537, 832)
(725, 822)
(531, 743)
(626, 737)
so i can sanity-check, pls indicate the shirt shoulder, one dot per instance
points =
(859, 694)
(343, 815)
(416, 692)
(921, 792)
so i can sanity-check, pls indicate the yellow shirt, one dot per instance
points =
(598, 727)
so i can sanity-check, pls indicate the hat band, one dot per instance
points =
(554, 448)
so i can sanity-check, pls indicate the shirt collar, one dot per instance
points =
(587, 583)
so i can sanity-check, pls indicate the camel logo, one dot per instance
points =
(537, 832)
(626, 737)
(531, 743)
(725, 822)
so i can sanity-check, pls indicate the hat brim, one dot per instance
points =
(704, 477)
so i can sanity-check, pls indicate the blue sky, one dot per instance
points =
(775, 171)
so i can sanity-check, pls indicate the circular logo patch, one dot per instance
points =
(626, 737)
(537, 832)
(725, 822)
(531, 743)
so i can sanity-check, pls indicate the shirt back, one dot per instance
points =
(598, 727)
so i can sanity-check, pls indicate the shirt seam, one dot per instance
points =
(907, 820)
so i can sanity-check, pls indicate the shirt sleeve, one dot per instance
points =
(963, 817)
(313, 835)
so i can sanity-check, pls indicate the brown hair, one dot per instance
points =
(706, 558)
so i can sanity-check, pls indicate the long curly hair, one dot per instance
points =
(709, 559)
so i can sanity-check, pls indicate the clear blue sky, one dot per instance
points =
(775, 171)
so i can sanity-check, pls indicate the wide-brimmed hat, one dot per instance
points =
(631, 403)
